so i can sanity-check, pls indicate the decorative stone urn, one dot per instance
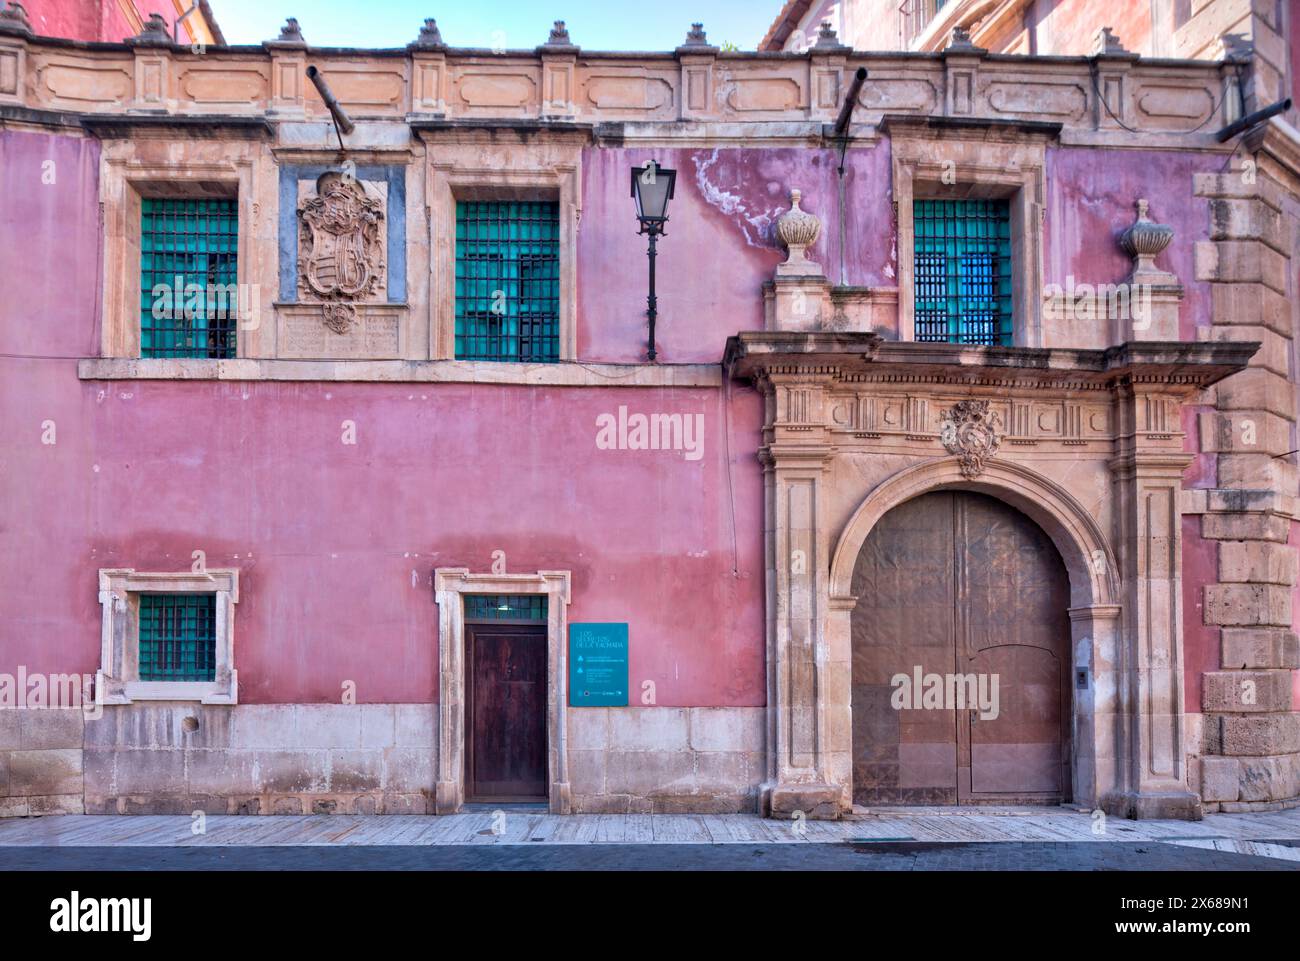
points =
(1144, 240)
(798, 230)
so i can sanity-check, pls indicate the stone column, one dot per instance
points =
(1147, 477)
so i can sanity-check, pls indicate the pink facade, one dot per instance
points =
(338, 494)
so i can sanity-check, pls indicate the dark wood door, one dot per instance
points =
(962, 587)
(505, 711)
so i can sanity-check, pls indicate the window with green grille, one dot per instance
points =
(962, 274)
(189, 300)
(505, 607)
(508, 281)
(178, 637)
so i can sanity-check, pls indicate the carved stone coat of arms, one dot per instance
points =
(340, 247)
(970, 430)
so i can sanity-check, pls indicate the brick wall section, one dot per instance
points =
(1251, 733)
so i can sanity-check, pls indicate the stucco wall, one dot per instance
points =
(337, 541)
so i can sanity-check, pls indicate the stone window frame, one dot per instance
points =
(450, 586)
(988, 161)
(461, 167)
(117, 680)
(125, 182)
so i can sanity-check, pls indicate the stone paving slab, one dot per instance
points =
(1225, 832)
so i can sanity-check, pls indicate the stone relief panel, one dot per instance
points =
(342, 263)
(1020, 422)
(341, 246)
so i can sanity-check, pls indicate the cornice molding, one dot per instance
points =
(855, 357)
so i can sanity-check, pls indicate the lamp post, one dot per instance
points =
(652, 188)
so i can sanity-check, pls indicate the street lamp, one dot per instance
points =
(652, 188)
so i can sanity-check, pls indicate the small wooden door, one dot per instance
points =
(505, 712)
(961, 586)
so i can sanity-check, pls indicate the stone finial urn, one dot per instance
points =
(1144, 240)
(798, 230)
(13, 19)
(154, 34)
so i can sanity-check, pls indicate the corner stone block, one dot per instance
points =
(1259, 735)
(1268, 778)
(1242, 219)
(1253, 526)
(1245, 692)
(1239, 262)
(1250, 432)
(1232, 185)
(1247, 605)
(1274, 350)
(1253, 305)
(1220, 779)
(1259, 471)
(1245, 647)
(1257, 562)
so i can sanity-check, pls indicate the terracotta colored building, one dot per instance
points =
(335, 466)
(113, 21)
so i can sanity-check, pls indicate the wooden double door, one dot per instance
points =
(961, 589)
(505, 712)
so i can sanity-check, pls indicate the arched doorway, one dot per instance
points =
(960, 657)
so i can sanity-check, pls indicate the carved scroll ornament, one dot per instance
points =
(970, 430)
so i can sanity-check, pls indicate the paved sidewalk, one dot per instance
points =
(1273, 835)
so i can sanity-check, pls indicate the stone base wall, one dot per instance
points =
(666, 760)
(41, 763)
(178, 758)
(168, 758)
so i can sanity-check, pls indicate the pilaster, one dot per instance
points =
(1147, 476)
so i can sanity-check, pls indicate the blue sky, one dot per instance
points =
(523, 24)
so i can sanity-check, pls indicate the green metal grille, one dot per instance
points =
(505, 607)
(189, 300)
(178, 637)
(963, 271)
(508, 281)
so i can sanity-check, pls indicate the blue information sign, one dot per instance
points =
(598, 665)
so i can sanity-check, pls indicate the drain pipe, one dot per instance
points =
(841, 132)
(342, 122)
(1251, 119)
